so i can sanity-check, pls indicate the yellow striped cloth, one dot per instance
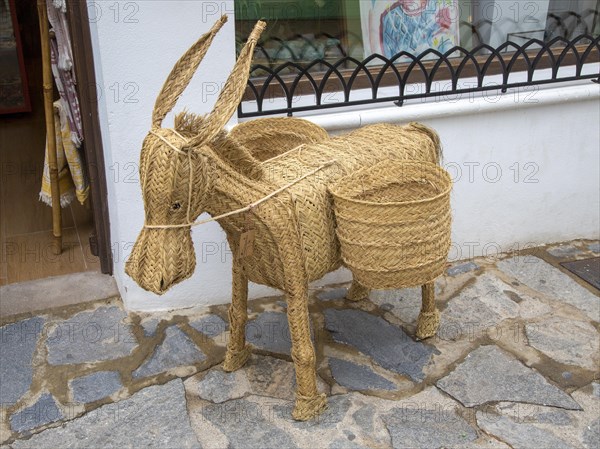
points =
(71, 177)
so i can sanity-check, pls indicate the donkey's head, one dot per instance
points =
(175, 173)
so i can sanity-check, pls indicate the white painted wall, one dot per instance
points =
(555, 131)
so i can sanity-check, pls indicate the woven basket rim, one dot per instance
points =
(429, 165)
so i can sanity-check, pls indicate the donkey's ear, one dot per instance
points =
(182, 73)
(232, 92)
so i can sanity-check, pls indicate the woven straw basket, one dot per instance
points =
(393, 223)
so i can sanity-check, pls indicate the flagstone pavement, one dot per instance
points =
(515, 364)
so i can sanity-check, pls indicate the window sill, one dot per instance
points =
(468, 104)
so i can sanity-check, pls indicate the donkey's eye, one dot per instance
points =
(176, 206)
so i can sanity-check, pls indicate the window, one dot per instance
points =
(312, 47)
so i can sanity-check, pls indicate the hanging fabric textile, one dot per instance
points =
(71, 180)
(69, 113)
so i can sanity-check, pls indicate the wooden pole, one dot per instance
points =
(50, 130)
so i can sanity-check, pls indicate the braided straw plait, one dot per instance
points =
(232, 92)
(164, 256)
(182, 73)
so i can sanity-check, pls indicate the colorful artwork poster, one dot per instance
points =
(413, 26)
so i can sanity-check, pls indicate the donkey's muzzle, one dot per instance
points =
(161, 258)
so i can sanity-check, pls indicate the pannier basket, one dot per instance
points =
(393, 223)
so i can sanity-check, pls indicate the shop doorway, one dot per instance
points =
(25, 222)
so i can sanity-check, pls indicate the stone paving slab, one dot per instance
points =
(210, 325)
(150, 326)
(332, 294)
(518, 434)
(482, 305)
(572, 427)
(95, 386)
(543, 277)
(444, 428)
(265, 433)
(489, 374)
(43, 411)
(565, 340)
(386, 344)
(462, 268)
(177, 350)
(270, 332)
(218, 386)
(358, 377)
(567, 250)
(404, 303)
(18, 343)
(90, 336)
(591, 435)
(154, 417)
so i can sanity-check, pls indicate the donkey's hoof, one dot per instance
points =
(428, 324)
(357, 292)
(307, 408)
(234, 360)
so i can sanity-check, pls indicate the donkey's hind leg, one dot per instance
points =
(357, 292)
(309, 403)
(429, 318)
(237, 349)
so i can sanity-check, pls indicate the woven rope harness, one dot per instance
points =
(247, 208)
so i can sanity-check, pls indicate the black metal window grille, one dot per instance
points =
(291, 79)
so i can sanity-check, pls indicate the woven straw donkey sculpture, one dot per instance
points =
(266, 184)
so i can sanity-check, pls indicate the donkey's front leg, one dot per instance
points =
(309, 403)
(237, 349)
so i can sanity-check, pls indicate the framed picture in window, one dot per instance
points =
(14, 94)
(413, 26)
